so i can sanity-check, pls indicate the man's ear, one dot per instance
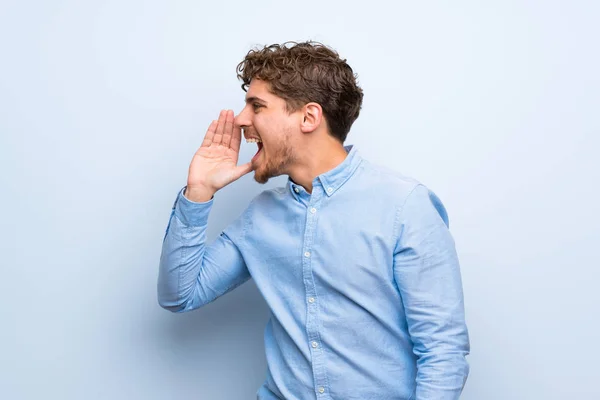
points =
(312, 117)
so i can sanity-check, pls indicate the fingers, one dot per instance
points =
(236, 138)
(218, 137)
(228, 132)
(210, 133)
(223, 132)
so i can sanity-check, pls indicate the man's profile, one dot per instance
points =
(355, 262)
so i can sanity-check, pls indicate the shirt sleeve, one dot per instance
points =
(192, 274)
(427, 272)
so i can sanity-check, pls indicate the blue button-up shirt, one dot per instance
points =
(361, 277)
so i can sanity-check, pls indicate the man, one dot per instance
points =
(355, 262)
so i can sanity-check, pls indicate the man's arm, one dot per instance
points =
(427, 272)
(190, 273)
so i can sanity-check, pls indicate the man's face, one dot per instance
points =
(266, 119)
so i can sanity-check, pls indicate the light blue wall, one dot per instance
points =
(493, 104)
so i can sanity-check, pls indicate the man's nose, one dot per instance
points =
(241, 120)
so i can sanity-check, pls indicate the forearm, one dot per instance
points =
(442, 375)
(441, 341)
(439, 331)
(181, 257)
(191, 273)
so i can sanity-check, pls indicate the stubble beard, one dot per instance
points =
(276, 165)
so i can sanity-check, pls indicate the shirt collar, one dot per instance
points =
(334, 179)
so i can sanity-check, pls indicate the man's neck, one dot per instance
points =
(316, 160)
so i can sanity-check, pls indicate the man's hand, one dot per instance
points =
(215, 163)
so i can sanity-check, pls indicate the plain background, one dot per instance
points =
(492, 104)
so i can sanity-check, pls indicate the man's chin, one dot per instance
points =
(263, 176)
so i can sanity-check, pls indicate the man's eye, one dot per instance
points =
(256, 106)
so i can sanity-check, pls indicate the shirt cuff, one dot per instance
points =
(191, 213)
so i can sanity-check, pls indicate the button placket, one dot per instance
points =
(312, 320)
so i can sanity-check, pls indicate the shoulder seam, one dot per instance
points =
(400, 209)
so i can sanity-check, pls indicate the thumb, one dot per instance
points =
(241, 170)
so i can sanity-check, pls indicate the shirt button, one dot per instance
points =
(311, 299)
(321, 389)
(314, 345)
(307, 254)
(329, 190)
(296, 190)
(313, 210)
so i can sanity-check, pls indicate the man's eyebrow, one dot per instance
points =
(252, 99)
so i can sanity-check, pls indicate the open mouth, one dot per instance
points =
(260, 147)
